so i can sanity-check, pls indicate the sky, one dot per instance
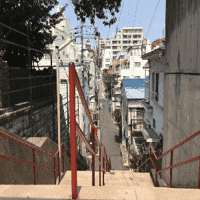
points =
(132, 13)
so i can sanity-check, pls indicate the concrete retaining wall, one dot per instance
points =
(18, 173)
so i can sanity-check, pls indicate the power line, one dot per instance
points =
(153, 17)
(135, 12)
(120, 14)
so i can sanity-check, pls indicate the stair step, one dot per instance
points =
(99, 192)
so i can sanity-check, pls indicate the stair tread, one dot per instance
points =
(98, 192)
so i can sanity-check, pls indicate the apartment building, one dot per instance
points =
(154, 99)
(71, 53)
(123, 39)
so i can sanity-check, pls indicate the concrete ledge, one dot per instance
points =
(161, 182)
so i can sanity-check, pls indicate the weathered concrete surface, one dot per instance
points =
(139, 190)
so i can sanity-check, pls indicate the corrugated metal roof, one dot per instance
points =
(132, 93)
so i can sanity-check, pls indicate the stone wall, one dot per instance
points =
(43, 122)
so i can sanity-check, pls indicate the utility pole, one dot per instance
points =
(81, 44)
(58, 104)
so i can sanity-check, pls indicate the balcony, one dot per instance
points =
(150, 135)
(147, 106)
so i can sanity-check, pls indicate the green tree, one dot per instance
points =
(19, 14)
(96, 8)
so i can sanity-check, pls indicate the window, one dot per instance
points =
(119, 42)
(124, 42)
(107, 60)
(114, 42)
(124, 36)
(155, 81)
(70, 37)
(125, 77)
(135, 41)
(63, 53)
(137, 64)
(154, 123)
(134, 36)
(114, 47)
(139, 36)
(63, 81)
(129, 36)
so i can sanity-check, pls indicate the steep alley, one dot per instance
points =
(109, 137)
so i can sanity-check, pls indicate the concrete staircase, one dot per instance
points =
(118, 185)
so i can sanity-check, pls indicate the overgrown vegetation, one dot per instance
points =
(21, 14)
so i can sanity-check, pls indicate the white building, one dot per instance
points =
(71, 53)
(134, 66)
(125, 38)
(154, 98)
(128, 40)
(106, 58)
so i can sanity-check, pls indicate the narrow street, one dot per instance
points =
(110, 138)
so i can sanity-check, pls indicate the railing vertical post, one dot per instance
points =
(150, 161)
(93, 161)
(156, 179)
(199, 176)
(63, 156)
(103, 165)
(99, 166)
(58, 168)
(109, 164)
(171, 163)
(73, 130)
(55, 170)
(34, 168)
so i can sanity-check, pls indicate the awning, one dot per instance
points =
(150, 135)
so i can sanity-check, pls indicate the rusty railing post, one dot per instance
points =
(63, 156)
(93, 161)
(99, 166)
(156, 178)
(73, 130)
(109, 163)
(55, 170)
(34, 168)
(171, 163)
(199, 175)
(58, 168)
(103, 165)
(150, 161)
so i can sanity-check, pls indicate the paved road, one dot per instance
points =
(110, 137)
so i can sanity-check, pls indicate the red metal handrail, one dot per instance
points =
(74, 81)
(33, 163)
(171, 166)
